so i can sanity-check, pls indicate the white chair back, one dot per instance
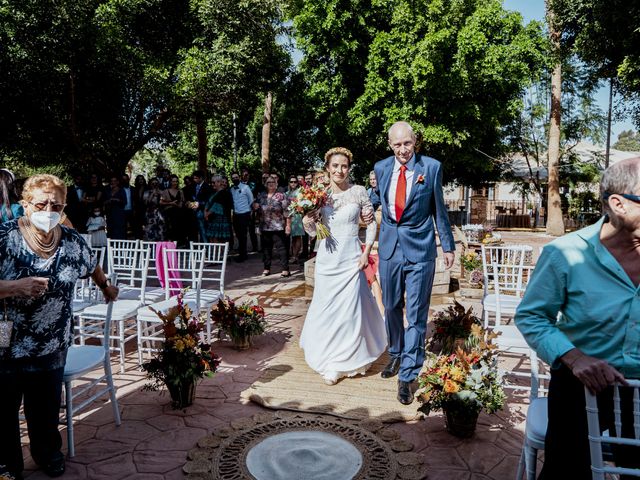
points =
(506, 255)
(182, 269)
(152, 274)
(119, 253)
(614, 436)
(215, 263)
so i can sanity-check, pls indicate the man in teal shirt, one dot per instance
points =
(581, 314)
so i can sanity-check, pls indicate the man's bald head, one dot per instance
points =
(402, 141)
(400, 128)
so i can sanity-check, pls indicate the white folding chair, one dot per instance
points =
(536, 423)
(182, 269)
(504, 255)
(82, 359)
(510, 282)
(612, 436)
(133, 263)
(215, 264)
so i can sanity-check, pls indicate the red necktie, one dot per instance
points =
(401, 193)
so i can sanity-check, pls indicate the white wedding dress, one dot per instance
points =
(344, 331)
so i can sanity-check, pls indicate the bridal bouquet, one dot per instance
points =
(308, 199)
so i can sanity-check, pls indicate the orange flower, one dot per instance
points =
(451, 387)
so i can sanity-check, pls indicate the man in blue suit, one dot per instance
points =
(410, 188)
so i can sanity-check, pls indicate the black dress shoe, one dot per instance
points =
(391, 369)
(405, 396)
(55, 467)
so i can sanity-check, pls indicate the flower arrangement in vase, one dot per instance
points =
(240, 321)
(184, 357)
(452, 329)
(472, 268)
(462, 383)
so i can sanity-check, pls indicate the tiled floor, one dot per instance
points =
(153, 440)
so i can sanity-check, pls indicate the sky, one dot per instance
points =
(534, 10)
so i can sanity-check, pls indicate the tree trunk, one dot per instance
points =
(266, 132)
(201, 132)
(555, 224)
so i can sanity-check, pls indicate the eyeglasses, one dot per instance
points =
(628, 196)
(293, 181)
(55, 207)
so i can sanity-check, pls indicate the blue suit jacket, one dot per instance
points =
(415, 232)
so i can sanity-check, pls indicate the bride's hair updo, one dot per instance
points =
(337, 151)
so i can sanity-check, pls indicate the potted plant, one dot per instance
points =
(472, 267)
(462, 384)
(452, 329)
(241, 322)
(184, 357)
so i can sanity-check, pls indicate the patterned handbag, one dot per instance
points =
(6, 328)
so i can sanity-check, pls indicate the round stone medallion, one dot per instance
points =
(303, 447)
(305, 454)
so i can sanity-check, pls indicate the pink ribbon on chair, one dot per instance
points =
(175, 283)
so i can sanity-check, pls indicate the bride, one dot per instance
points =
(343, 332)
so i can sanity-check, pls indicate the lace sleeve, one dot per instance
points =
(367, 207)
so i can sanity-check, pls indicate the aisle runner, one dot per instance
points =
(288, 383)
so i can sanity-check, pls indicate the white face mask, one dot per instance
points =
(45, 221)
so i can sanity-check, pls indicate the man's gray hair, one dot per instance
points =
(403, 125)
(621, 177)
(217, 178)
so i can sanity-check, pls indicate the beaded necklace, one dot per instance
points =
(46, 248)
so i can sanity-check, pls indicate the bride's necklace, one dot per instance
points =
(44, 248)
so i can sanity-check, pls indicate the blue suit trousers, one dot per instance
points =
(397, 277)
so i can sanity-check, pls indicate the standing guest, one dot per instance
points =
(254, 219)
(93, 193)
(97, 228)
(128, 206)
(114, 201)
(242, 200)
(198, 195)
(139, 208)
(410, 188)
(172, 203)
(166, 179)
(9, 207)
(274, 223)
(41, 261)
(301, 181)
(297, 228)
(188, 182)
(217, 212)
(75, 209)
(154, 228)
(580, 313)
(308, 178)
(373, 190)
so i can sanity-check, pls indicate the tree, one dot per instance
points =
(628, 141)
(604, 33)
(555, 224)
(455, 70)
(89, 83)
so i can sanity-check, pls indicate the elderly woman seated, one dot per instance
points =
(40, 261)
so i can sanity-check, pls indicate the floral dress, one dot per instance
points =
(42, 326)
(273, 211)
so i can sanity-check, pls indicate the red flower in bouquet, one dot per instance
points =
(308, 199)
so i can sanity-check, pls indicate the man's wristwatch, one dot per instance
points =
(104, 285)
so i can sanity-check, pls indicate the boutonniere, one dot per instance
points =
(420, 179)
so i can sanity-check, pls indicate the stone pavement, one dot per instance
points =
(153, 440)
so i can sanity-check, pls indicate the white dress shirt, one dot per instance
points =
(242, 198)
(393, 185)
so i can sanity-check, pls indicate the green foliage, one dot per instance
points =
(628, 141)
(88, 83)
(604, 33)
(455, 70)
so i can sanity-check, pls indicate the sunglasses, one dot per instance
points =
(628, 196)
(55, 207)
